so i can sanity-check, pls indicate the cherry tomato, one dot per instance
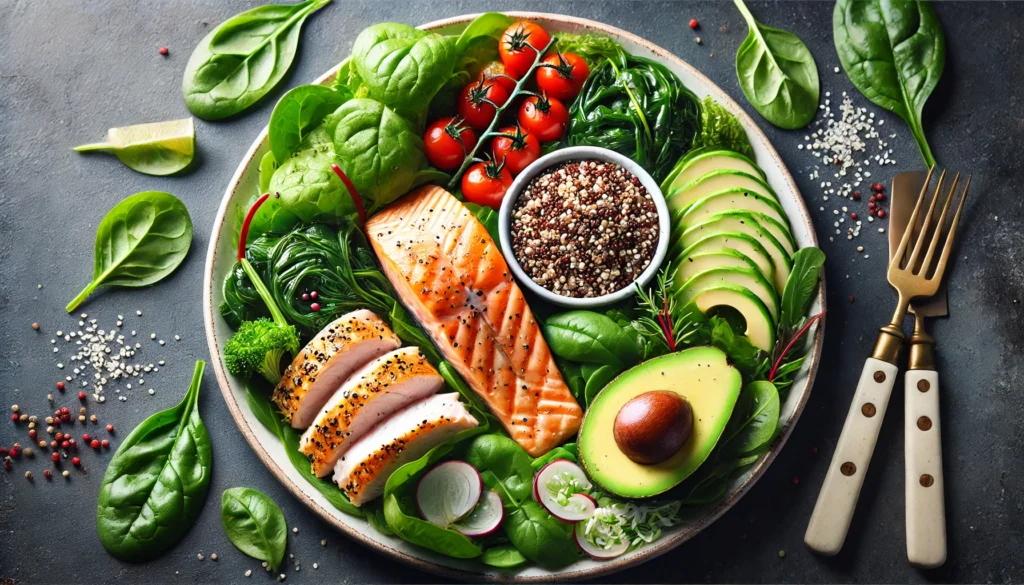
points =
(477, 101)
(485, 183)
(516, 152)
(495, 71)
(562, 75)
(544, 117)
(447, 141)
(519, 45)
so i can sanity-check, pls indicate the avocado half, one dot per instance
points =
(702, 376)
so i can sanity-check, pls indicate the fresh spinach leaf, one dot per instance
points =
(374, 512)
(894, 52)
(488, 25)
(720, 130)
(503, 557)
(569, 451)
(307, 185)
(270, 218)
(800, 286)
(777, 73)
(597, 378)
(572, 373)
(254, 524)
(268, 164)
(244, 58)
(139, 242)
(506, 460)
(755, 429)
(586, 336)
(379, 150)
(422, 533)
(487, 216)
(539, 536)
(298, 112)
(747, 358)
(157, 481)
(161, 148)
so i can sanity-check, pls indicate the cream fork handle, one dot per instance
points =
(926, 508)
(837, 500)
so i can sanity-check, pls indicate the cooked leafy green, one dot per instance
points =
(894, 53)
(254, 524)
(720, 130)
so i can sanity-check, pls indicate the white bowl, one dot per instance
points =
(571, 154)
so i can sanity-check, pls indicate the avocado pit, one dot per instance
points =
(653, 426)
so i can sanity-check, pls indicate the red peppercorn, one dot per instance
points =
(47, 474)
(852, 299)
(871, 205)
(796, 480)
(55, 457)
(872, 212)
(15, 450)
(65, 444)
(81, 395)
(880, 197)
(110, 428)
(876, 187)
(881, 213)
(694, 24)
(86, 437)
(164, 51)
(856, 195)
(305, 296)
(60, 386)
(105, 443)
(314, 295)
(95, 444)
(314, 307)
(853, 215)
(59, 437)
(3, 451)
(74, 443)
(15, 417)
(53, 444)
(65, 409)
(32, 434)
(76, 461)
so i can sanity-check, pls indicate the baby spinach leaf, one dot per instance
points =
(157, 481)
(422, 533)
(758, 422)
(254, 524)
(894, 52)
(379, 150)
(271, 217)
(506, 460)
(241, 60)
(487, 216)
(268, 164)
(572, 373)
(747, 358)
(586, 336)
(777, 73)
(800, 286)
(298, 112)
(403, 67)
(487, 25)
(308, 187)
(139, 242)
(539, 536)
(569, 451)
(597, 378)
(503, 557)
(161, 148)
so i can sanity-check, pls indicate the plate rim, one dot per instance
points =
(661, 547)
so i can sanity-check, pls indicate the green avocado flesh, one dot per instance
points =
(687, 285)
(702, 376)
(760, 328)
(714, 182)
(692, 167)
(744, 223)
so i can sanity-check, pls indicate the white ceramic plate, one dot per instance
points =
(221, 256)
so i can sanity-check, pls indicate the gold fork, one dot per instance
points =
(919, 276)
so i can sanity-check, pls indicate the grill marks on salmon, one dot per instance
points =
(452, 277)
(363, 471)
(372, 394)
(340, 348)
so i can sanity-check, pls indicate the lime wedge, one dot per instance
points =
(160, 148)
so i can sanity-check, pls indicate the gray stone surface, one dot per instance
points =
(69, 70)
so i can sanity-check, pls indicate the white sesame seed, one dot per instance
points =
(138, 313)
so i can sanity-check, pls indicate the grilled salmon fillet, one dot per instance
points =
(342, 347)
(452, 277)
(382, 387)
(362, 472)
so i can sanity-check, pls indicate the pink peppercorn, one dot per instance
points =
(65, 444)
(110, 428)
(32, 434)
(81, 395)
(76, 461)
(314, 295)
(314, 307)
(105, 443)
(55, 457)
(853, 215)
(15, 417)
(881, 213)
(95, 444)
(47, 474)
(856, 195)
(305, 296)
(86, 437)
(694, 24)
(164, 51)
(60, 386)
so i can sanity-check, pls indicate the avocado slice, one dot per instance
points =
(744, 223)
(700, 261)
(701, 161)
(713, 182)
(732, 200)
(779, 231)
(703, 376)
(687, 285)
(742, 243)
(760, 329)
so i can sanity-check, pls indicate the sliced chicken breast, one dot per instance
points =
(381, 388)
(362, 472)
(344, 346)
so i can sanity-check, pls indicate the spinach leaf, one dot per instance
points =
(139, 242)
(307, 185)
(298, 112)
(777, 73)
(271, 217)
(755, 428)
(241, 60)
(161, 148)
(254, 524)
(572, 373)
(894, 52)
(489, 25)
(748, 359)
(502, 557)
(597, 378)
(157, 481)
(403, 67)
(506, 460)
(487, 216)
(800, 286)
(268, 164)
(422, 533)
(720, 130)
(374, 512)
(289, 437)
(539, 536)
(586, 336)
(380, 151)
(568, 451)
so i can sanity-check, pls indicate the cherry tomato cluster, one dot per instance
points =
(541, 117)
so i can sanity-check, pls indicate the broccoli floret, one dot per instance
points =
(259, 347)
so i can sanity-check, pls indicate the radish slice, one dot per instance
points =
(594, 551)
(555, 487)
(485, 518)
(448, 492)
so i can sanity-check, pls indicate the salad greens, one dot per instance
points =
(254, 524)
(894, 52)
(297, 113)
(720, 130)
(157, 481)
(587, 336)
(777, 73)
(161, 148)
(139, 242)
(306, 184)
(244, 58)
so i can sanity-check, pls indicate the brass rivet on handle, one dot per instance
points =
(923, 385)
(927, 480)
(924, 423)
(879, 376)
(868, 409)
(848, 468)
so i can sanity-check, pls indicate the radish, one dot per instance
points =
(561, 486)
(485, 518)
(608, 551)
(448, 492)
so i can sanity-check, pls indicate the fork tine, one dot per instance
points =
(938, 228)
(952, 233)
(901, 250)
(922, 236)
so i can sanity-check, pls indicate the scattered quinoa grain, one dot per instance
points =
(28, 475)
(213, 557)
(248, 573)
(200, 556)
(782, 554)
(295, 530)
